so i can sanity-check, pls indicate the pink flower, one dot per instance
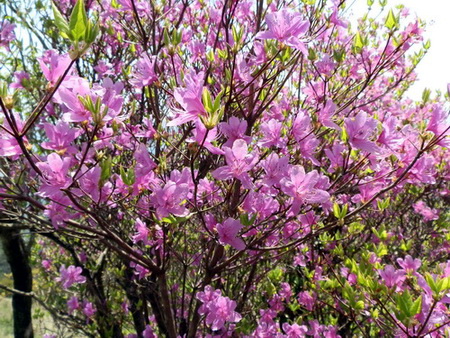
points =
(359, 129)
(89, 182)
(391, 276)
(276, 168)
(302, 188)
(271, 132)
(142, 233)
(325, 115)
(54, 65)
(21, 79)
(228, 232)
(144, 163)
(221, 310)
(234, 129)
(73, 304)
(307, 300)
(208, 295)
(294, 330)
(217, 308)
(6, 33)
(8, 143)
(285, 26)
(71, 275)
(239, 163)
(89, 310)
(144, 72)
(60, 136)
(439, 125)
(46, 264)
(428, 214)
(75, 111)
(55, 171)
(409, 264)
(167, 200)
(204, 137)
(148, 332)
(190, 99)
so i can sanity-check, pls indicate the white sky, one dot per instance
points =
(434, 70)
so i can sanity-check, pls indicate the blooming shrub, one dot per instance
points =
(219, 168)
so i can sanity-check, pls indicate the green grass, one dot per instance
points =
(42, 321)
(6, 320)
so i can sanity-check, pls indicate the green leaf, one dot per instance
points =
(358, 42)
(166, 37)
(106, 170)
(416, 306)
(207, 100)
(128, 176)
(426, 95)
(404, 303)
(336, 210)
(78, 21)
(61, 22)
(91, 32)
(275, 275)
(391, 20)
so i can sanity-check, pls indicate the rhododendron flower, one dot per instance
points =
(409, 264)
(271, 131)
(71, 275)
(307, 300)
(139, 270)
(239, 163)
(89, 310)
(391, 276)
(190, 99)
(221, 310)
(295, 330)
(148, 332)
(75, 110)
(439, 124)
(204, 137)
(142, 233)
(73, 304)
(326, 66)
(228, 232)
(234, 129)
(53, 65)
(144, 163)
(167, 200)
(21, 78)
(276, 168)
(8, 143)
(206, 296)
(56, 210)
(286, 26)
(60, 136)
(55, 171)
(144, 72)
(428, 214)
(89, 182)
(217, 308)
(6, 33)
(46, 264)
(325, 115)
(302, 188)
(359, 129)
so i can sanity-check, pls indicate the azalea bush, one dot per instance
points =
(225, 168)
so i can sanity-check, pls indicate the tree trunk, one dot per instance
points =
(17, 256)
